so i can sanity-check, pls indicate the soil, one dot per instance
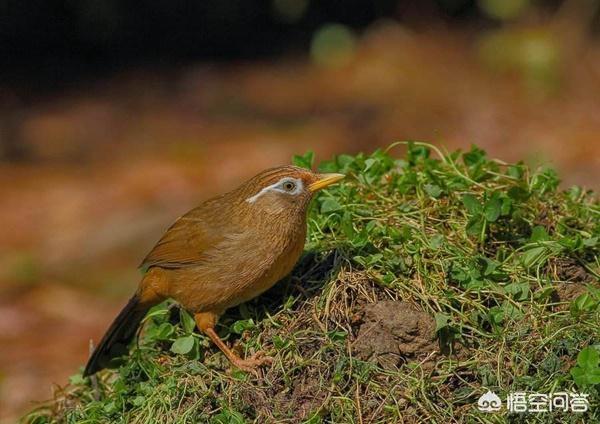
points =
(394, 332)
(573, 279)
(566, 292)
(277, 402)
(569, 270)
(305, 398)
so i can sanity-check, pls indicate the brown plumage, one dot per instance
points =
(226, 251)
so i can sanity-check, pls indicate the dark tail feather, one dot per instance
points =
(120, 332)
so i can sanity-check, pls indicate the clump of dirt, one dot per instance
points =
(566, 292)
(394, 332)
(569, 270)
(573, 278)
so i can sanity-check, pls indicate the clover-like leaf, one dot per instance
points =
(183, 345)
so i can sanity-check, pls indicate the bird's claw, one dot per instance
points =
(253, 362)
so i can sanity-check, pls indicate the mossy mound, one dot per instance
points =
(426, 282)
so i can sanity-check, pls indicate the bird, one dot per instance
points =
(226, 251)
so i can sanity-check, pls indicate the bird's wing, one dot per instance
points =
(186, 241)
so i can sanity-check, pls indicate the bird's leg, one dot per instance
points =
(206, 323)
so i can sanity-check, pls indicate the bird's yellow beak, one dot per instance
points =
(324, 181)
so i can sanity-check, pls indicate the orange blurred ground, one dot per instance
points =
(119, 159)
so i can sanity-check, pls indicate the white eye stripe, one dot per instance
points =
(257, 195)
(278, 186)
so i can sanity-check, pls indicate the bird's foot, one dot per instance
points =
(252, 363)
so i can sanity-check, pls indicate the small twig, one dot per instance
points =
(358, 408)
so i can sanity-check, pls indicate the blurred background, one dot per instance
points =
(117, 117)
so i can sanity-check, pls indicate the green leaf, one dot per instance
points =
(328, 166)
(280, 343)
(138, 400)
(518, 194)
(572, 244)
(593, 376)
(496, 315)
(305, 160)
(228, 416)
(539, 233)
(183, 345)
(512, 311)
(314, 419)
(474, 157)
(588, 358)
(593, 291)
(110, 407)
(344, 162)
(164, 331)
(441, 321)
(536, 254)
(587, 371)
(506, 207)
(374, 259)
(160, 310)
(518, 291)
(533, 256)
(493, 208)
(347, 226)
(471, 203)
(584, 377)
(369, 163)
(433, 190)
(187, 321)
(545, 181)
(475, 225)
(76, 379)
(416, 152)
(240, 326)
(515, 171)
(578, 375)
(330, 205)
(489, 266)
(337, 336)
(436, 241)
(583, 303)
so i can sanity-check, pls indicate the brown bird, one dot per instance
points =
(226, 251)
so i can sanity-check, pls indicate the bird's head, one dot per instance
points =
(285, 189)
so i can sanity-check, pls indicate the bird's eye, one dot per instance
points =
(289, 186)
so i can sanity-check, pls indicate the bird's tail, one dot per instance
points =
(118, 336)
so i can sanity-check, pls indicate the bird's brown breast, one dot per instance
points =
(211, 260)
(238, 269)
